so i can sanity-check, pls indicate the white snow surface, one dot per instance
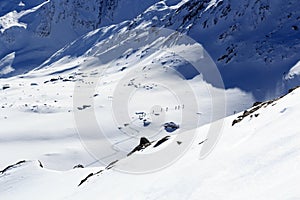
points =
(5, 64)
(294, 71)
(43, 101)
(257, 158)
(11, 19)
(212, 3)
(21, 4)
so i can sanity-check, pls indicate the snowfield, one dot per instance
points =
(71, 100)
(156, 99)
(257, 158)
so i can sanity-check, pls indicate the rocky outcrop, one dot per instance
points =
(144, 142)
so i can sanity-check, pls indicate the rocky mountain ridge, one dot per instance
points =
(249, 40)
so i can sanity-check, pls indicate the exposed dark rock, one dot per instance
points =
(5, 86)
(86, 178)
(12, 166)
(295, 28)
(292, 89)
(123, 68)
(202, 142)
(53, 79)
(256, 103)
(83, 107)
(111, 165)
(257, 106)
(144, 142)
(89, 176)
(40, 163)
(171, 126)
(246, 112)
(159, 142)
(235, 121)
(146, 123)
(78, 166)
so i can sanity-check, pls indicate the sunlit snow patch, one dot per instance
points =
(11, 19)
(21, 4)
(294, 71)
(5, 64)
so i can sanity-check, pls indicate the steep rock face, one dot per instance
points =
(253, 42)
(39, 32)
(81, 16)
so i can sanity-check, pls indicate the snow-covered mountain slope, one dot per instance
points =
(121, 74)
(292, 78)
(34, 30)
(256, 158)
(102, 75)
(249, 40)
